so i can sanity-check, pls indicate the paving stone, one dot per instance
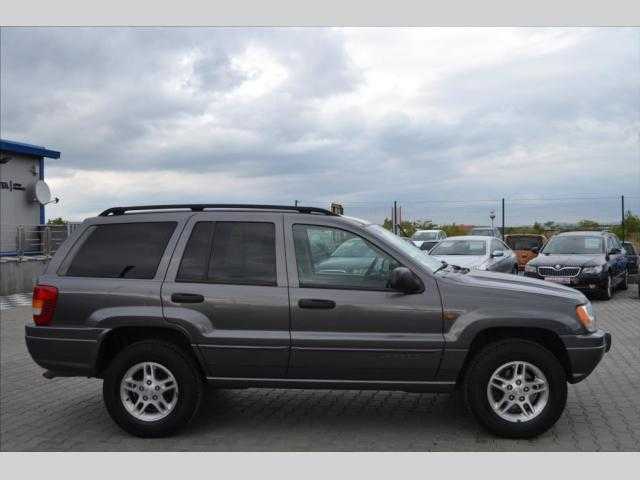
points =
(602, 414)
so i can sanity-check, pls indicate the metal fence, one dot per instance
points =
(33, 240)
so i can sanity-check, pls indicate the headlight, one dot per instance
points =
(596, 269)
(586, 316)
(530, 268)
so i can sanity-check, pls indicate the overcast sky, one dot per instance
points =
(362, 116)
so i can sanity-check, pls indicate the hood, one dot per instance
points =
(568, 260)
(516, 283)
(468, 261)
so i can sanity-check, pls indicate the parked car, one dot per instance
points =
(421, 236)
(477, 252)
(526, 246)
(587, 261)
(158, 300)
(632, 255)
(486, 232)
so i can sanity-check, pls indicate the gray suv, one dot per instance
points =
(158, 300)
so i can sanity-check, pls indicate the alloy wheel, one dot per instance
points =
(149, 391)
(518, 391)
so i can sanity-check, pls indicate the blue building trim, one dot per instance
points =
(27, 149)
(41, 175)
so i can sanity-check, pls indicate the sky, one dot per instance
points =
(446, 121)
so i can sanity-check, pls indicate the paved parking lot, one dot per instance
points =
(603, 412)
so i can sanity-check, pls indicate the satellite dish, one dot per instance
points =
(41, 192)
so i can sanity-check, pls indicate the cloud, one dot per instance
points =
(364, 115)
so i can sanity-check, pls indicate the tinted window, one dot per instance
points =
(230, 252)
(124, 250)
(524, 243)
(352, 262)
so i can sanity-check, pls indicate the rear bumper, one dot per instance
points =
(64, 351)
(585, 352)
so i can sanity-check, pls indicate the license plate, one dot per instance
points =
(565, 280)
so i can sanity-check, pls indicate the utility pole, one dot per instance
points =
(296, 203)
(503, 217)
(624, 230)
(395, 217)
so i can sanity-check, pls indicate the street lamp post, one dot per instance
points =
(492, 216)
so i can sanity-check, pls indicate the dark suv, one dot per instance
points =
(587, 261)
(157, 300)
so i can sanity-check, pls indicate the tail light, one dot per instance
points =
(44, 304)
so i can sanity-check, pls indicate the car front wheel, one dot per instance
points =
(624, 284)
(152, 388)
(516, 388)
(606, 292)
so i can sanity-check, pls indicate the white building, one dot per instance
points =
(23, 191)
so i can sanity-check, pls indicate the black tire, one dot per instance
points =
(606, 290)
(624, 284)
(497, 354)
(179, 363)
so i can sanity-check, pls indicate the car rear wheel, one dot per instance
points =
(152, 388)
(516, 388)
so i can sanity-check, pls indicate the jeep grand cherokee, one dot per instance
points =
(157, 300)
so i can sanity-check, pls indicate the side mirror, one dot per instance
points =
(497, 253)
(535, 250)
(404, 280)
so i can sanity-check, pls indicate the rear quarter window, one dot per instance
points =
(122, 250)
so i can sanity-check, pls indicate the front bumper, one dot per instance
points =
(585, 352)
(584, 282)
(64, 351)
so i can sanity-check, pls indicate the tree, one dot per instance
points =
(56, 221)
(631, 225)
(537, 228)
(454, 230)
(588, 225)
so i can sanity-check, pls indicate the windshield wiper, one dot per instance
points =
(455, 268)
(458, 268)
(441, 267)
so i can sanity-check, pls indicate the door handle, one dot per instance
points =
(186, 298)
(316, 303)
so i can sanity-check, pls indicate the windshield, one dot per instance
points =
(409, 250)
(424, 236)
(524, 243)
(460, 247)
(577, 245)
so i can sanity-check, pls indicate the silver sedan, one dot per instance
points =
(477, 252)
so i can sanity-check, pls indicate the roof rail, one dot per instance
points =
(199, 207)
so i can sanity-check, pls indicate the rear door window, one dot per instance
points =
(122, 250)
(238, 253)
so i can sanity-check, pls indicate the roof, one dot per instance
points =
(471, 237)
(584, 233)
(27, 149)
